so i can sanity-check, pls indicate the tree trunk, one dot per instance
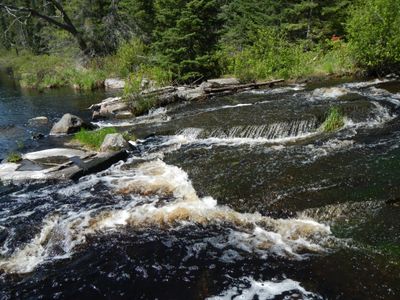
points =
(66, 25)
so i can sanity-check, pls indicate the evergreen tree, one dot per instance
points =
(140, 16)
(186, 36)
(243, 18)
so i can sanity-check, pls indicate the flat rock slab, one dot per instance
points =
(55, 165)
(55, 152)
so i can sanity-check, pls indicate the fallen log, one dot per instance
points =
(163, 90)
(235, 88)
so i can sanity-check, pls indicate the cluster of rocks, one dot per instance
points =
(58, 164)
(64, 163)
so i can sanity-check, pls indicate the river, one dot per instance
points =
(237, 197)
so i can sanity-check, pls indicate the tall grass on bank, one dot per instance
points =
(50, 71)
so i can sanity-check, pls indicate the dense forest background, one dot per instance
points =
(79, 42)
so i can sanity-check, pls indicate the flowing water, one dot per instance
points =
(237, 197)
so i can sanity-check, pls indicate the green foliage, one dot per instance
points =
(314, 20)
(13, 157)
(93, 139)
(50, 71)
(186, 37)
(374, 34)
(140, 104)
(86, 79)
(270, 55)
(185, 40)
(334, 120)
(130, 56)
(157, 75)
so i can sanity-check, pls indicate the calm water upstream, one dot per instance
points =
(17, 106)
(237, 197)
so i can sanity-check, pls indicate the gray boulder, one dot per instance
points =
(69, 124)
(38, 121)
(190, 94)
(114, 84)
(114, 142)
(114, 107)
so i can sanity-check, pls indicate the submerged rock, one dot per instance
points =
(114, 142)
(69, 124)
(114, 84)
(38, 121)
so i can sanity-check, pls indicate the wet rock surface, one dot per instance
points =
(69, 124)
(114, 142)
(114, 107)
(38, 121)
(57, 164)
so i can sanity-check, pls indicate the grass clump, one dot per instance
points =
(334, 120)
(140, 104)
(14, 157)
(93, 139)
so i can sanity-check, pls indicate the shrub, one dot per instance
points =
(140, 104)
(131, 56)
(157, 75)
(269, 55)
(334, 120)
(374, 35)
(93, 139)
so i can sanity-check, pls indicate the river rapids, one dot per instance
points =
(236, 197)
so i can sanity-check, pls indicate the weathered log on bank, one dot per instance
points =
(240, 87)
(138, 104)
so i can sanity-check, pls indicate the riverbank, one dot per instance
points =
(53, 71)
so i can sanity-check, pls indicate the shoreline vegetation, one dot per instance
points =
(49, 71)
(158, 43)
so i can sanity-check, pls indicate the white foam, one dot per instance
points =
(356, 85)
(61, 234)
(248, 289)
(276, 91)
(283, 132)
(328, 93)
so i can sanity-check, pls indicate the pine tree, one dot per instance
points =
(187, 33)
(243, 18)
